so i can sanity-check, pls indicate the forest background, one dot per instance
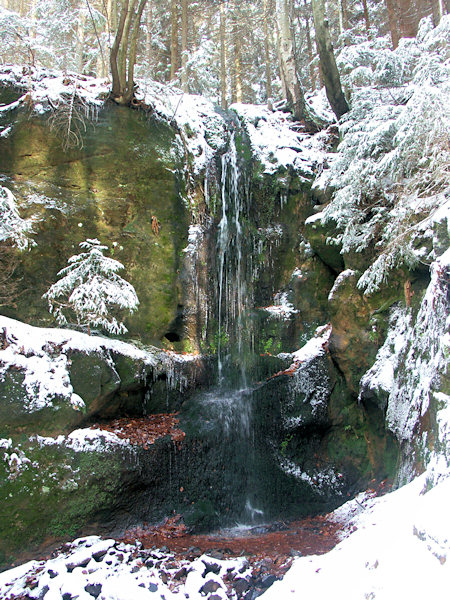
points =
(229, 51)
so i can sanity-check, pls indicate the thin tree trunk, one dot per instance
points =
(123, 53)
(267, 51)
(330, 72)
(116, 83)
(184, 46)
(133, 47)
(343, 21)
(174, 49)
(366, 15)
(223, 57)
(236, 90)
(291, 84)
(81, 23)
(148, 40)
(33, 15)
(392, 19)
(309, 47)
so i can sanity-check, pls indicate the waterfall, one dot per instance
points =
(231, 270)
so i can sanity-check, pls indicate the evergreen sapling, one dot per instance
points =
(92, 288)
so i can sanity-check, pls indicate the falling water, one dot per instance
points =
(231, 275)
(226, 410)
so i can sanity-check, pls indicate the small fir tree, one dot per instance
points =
(92, 289)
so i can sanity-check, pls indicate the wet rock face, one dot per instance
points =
(351, 344)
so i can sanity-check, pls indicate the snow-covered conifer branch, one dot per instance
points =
(90, 288)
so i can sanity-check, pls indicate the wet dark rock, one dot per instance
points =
(194, 552)
(241, 586)
(71, 565)
(94, 589)
(164, 576)
(52, 573)
(268, 580)
(99, 555)
(211, 568)
(210, 587)
(67, 596)
(43, 591)
(218, 554)
(181, 573)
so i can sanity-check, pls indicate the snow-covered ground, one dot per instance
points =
(400, 549)
(395, 546)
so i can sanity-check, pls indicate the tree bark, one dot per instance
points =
(291, 85)
(267, 50)
(366, 15)
(184, 46)
(343, 20)
(81, 23)
(116, 83)
(392, 19)
(309, 47)
(330, 72)
(223, 57)
(174, 48)
(236, 88)
(123, 51)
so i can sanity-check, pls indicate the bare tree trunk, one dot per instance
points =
(392, 18)
(267, 51)
(174, 48)
(132, 51)
(33, 15)
(184, 46)
(223, 57)
(81, 24)
(116, 85)
(309, 47)
(343, 21)
(123, 51)
(148, 44)
(330, 72)
(291, 85)
(366, 15)
(236, 88)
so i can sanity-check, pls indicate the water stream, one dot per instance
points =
(227, 409)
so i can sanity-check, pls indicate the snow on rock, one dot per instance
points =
(194, 240)
(282, 308)
(277, 143)
(110, 570)
(315, 347)
(42, 355)
(85, 440)
(409, 365)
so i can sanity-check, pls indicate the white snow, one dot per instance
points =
(315, 347)
(399, 550)
(281, 308)
(276, 143)
(42, 355)
(121, 571)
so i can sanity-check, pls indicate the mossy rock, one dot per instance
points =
(351, 344)
(318, 233)
(127, 171)
(22, 409)
(49, 490)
